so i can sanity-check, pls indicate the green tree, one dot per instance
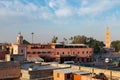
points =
(97, 45)
(25, 42)
(91, 42)
(116, 45)
(54, 39)
(78, 39)
(65, 40)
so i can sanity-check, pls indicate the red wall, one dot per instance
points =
(84, 53)
(2, 55)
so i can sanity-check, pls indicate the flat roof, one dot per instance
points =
(69, 44)
(39, 59)
(75, 45)
(82, 72)
(36, 66)
(8, 64)
(67, 70)
(75, 71)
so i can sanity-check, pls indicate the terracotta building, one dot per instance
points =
(60, 52)
(52, 51)
(73, 74)
(64, 74)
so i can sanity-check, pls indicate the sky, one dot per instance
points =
(61, 18)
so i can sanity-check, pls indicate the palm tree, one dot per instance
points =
(65, 40)
(54, 39)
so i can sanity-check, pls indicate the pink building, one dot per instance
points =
(52, 51)
(60, 52)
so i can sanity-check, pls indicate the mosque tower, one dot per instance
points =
(107, 44)
(19, 39)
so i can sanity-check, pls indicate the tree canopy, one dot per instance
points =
(25, 42)
(116, 45)
(78, 39)
(54, 39)
(91, 42)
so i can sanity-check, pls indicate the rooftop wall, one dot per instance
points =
(109, 73)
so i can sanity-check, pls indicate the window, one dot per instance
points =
(82, 52)
(12, 59)
(68, 76)
(33, 52)
(90, 51)
(43, 52)
(21, 50)
(68, 52)
(73, 52)
(28, 52)
(63, 53)
(58, 75)
(57, 53)
(49, 52)
(38, 52)
(78, 52)
(86, 52)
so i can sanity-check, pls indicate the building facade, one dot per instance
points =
(52, 51)
(60, 52)
(72, 74)
(19, 47)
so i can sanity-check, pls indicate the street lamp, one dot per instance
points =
(32, 37)
(107, 61)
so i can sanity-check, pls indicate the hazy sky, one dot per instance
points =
(62, 18)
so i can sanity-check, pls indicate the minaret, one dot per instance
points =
(19, 39)
(107, 45)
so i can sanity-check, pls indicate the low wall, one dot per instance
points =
(96, 70)
(109, 73)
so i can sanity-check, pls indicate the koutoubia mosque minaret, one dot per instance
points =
(107, 44)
